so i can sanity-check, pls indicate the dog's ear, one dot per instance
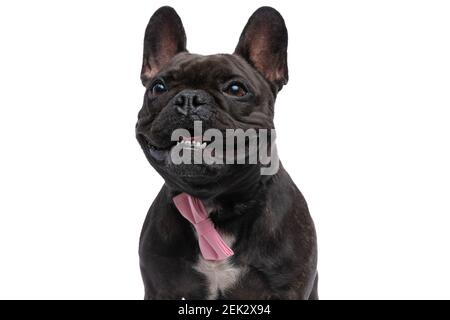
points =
(164, 38)
(263, 43)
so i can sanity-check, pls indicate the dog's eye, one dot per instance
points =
(158, 88)
(236, 89)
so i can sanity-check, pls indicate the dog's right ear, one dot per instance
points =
(164, 38)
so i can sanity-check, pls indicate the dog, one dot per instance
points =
(256, 239)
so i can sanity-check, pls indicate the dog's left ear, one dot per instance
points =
(263, 43)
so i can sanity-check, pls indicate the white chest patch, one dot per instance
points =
(220, 275)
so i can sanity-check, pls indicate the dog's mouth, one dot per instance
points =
(187, 144)
(192, 143)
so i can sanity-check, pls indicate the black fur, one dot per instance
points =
(268, 216)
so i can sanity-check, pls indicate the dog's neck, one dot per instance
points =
(241, 202)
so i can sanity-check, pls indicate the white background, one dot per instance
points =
(363, 129)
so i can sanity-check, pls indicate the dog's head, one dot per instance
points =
(223, 91)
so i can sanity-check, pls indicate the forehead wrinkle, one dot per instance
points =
(197, 68)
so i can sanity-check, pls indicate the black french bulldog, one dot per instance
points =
(263, 218)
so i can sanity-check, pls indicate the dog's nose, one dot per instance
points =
(189, 100)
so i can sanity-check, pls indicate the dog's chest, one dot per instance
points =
(220, 275)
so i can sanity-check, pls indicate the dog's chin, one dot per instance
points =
(200, 180)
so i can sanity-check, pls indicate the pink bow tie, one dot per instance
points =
(211, 243)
